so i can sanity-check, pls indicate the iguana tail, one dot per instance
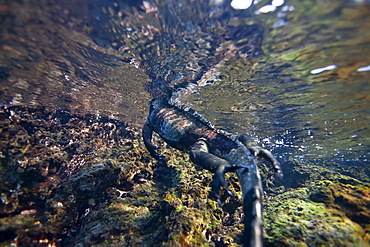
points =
(250, 182)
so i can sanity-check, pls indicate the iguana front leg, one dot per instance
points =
(256, 150)
(147, 136)
(199, 155)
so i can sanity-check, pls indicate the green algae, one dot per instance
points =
(323, 213)
(300, 222)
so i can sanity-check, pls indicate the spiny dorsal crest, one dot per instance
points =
(193, 113)
(188, 110)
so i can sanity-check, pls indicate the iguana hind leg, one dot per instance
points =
(199, 155)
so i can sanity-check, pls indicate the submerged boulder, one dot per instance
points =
(83, 180)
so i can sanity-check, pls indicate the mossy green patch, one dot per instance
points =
(297, 221)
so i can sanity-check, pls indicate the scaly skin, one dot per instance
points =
(216, 151)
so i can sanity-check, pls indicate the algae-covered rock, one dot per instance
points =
(82, 180)
(321, 208)
(294, 220)
(57, 167)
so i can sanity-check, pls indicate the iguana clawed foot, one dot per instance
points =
(199, 155)
(260, 152)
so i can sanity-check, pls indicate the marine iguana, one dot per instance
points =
(217, 151)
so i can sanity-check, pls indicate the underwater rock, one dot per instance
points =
(321, 207)
(294, 220)
(83, 180)
(56, 168)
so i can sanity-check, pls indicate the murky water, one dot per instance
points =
(294, 74)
